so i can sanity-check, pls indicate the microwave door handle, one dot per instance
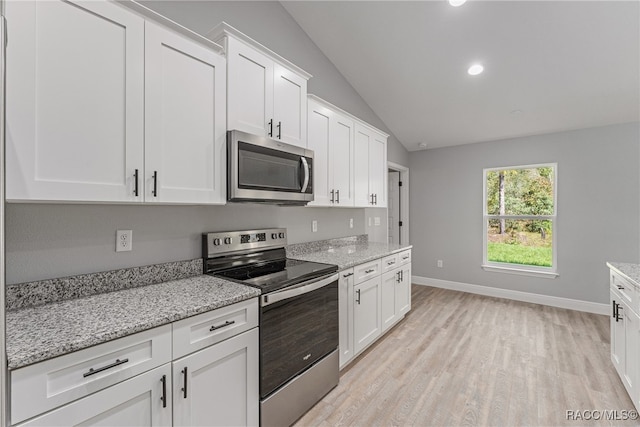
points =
(305, 183)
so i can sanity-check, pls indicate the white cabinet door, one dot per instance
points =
(345, 303)
(378, 169)
(403, 291)
(363, 197)
(341, 166)
(218, 386)
(319, 141)
(366, 313)
(631, 359)
(617, 334)
(388, 298)
(185, 96)
(144, 400)
(74, 98)
(250, 89)
(289, 107)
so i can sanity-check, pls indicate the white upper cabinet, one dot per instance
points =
(370, 167)
(75, 95)
(267, 95)
(185, 92)
(331, 137)
(106, 106)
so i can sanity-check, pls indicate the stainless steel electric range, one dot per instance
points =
(299, 359)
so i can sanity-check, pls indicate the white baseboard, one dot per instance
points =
(571, 304)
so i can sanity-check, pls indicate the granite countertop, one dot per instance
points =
(628, 270)
(38, 333)
(344, 254)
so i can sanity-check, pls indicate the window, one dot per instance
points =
(520, 219)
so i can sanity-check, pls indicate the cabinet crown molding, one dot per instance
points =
(222, 30)
(149, 14)
(327, 104)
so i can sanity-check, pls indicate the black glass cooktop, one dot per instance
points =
(273, 275)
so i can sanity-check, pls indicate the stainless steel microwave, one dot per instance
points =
(263, 170)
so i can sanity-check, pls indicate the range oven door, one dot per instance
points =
(298, 327)
(265, 170)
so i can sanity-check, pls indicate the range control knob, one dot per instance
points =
(228, 240)
(216, 242)
(274, 235)
(281, 235)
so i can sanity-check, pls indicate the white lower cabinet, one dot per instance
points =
(372, 298)
(218, 386)
(366, 313)
(133, 381)
(345, 325)
(625, 335)
(144, 400)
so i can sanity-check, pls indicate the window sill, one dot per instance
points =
(520, 271)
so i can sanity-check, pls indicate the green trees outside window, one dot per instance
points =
(519, 215)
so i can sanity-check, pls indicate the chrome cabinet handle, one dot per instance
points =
(331, 196)
(376, 198)
(271, 128)
(358, 297)
(337, 196)
(347, 275)
(224, 325)
(184, 386)
(163, 398)
(398, 277)
(620, 287)
(104, 368)
(391, 262)
(279, 130)
(369, 271)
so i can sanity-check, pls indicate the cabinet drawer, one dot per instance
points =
(201, 331)
(404, 257)
(627, 291)
(390, 262)
(52, 383)
(367, 271)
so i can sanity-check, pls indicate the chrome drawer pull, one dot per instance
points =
(391, 262)
(347, 275)
(163, 380)
(227, 323)
(369, 271)
(104, 368)
(405, 257)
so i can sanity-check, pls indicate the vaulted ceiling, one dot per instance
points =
(548, 65)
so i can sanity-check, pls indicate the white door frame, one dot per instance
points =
(404, 200)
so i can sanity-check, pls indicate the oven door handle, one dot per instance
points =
(305, 183)
(304, 288)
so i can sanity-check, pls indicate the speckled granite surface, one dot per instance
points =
(630, 271)
(47, 291)
(39, 333)
(344, 253)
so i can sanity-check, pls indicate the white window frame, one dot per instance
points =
(521, 269)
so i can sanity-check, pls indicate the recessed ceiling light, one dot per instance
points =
(456, 3)
(422, 145)
(475, 69)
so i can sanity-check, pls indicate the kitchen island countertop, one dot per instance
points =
(628, 270)
(39, 333)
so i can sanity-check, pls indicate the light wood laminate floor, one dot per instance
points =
(460, 359)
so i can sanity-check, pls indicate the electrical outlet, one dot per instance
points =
(350, 222)
(314, 226)
(369, 221)
(376, 220)
(124, 240)
(439, 263)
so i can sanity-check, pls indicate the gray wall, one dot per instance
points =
(271, 25)
(598, 208)
(46, 241)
